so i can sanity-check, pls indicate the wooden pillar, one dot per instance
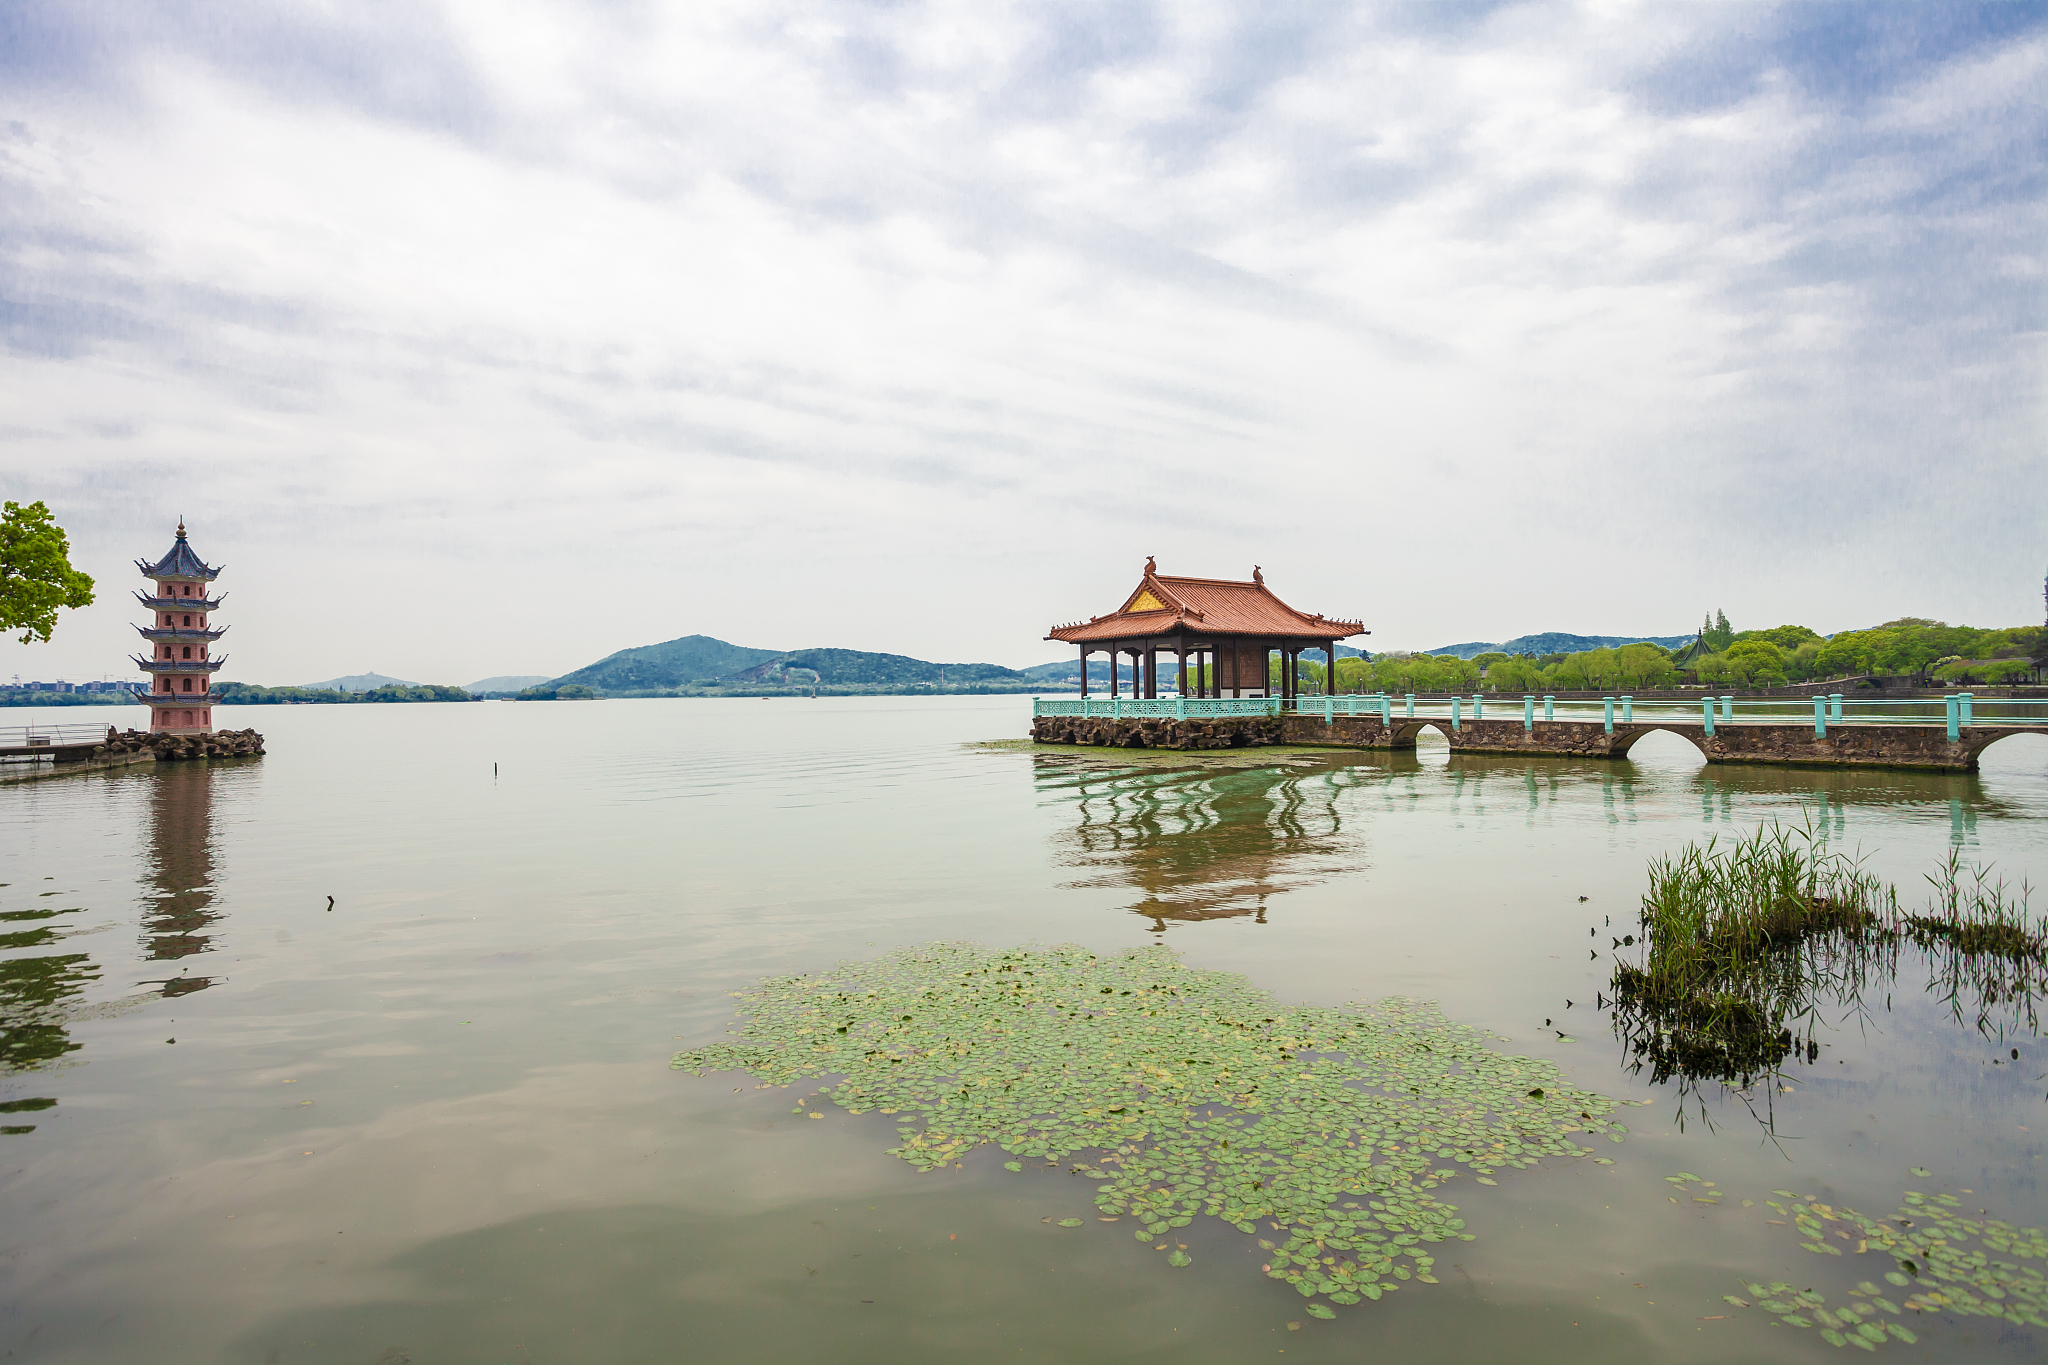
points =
(1114, 663)
(1180, 676)
(1084, 670)
(1330, 650)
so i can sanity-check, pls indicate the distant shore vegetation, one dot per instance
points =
(1911, 648)
(251, 694)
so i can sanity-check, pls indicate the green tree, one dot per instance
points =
(1643, 665)
(1718, 634)
(36, 577)
(1757, 662)
(1713, 668)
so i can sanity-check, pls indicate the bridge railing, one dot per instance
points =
(29, 738)
(1953, 712)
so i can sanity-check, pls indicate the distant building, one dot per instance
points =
(181, 663)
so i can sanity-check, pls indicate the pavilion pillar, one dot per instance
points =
(1114, 664)
(1084, 670)
(1180, 677)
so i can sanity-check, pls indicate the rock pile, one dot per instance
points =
(213, 744)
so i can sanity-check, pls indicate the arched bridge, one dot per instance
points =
(1943, 733)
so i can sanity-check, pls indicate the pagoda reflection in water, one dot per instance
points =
(1200, 843)
(177, 920)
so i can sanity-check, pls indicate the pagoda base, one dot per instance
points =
(169, 745)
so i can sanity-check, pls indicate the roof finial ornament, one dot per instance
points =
(181, 525)
(1258, 576)
(1150, 566)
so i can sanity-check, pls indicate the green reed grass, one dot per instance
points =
(1744, 940)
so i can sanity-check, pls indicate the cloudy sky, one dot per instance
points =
(490, 336)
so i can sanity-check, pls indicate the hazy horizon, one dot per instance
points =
(481, 341)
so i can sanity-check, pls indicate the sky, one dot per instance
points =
(491, 336)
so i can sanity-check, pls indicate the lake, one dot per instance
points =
(437, 1122)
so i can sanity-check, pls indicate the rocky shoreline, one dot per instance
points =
(170, 748)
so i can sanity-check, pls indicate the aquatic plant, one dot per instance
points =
(1743, 942)
(1943, 1260)
(1184, 1092)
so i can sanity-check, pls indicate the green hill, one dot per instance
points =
(700, 663)
(670, 664)
(856, 668)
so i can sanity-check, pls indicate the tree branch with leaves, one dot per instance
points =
(36, 577)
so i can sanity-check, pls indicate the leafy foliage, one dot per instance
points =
(1191, 1092)
(36, 577)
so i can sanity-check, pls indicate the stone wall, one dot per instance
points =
(1158, 732)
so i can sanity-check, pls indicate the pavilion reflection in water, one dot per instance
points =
(1201, 843)
(178, 917)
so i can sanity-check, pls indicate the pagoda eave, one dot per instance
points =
(180, 603)
(177, 666)
(179, 635)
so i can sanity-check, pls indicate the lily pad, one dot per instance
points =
(1321, 1310)
(1070, 1222)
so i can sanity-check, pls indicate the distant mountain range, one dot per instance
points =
(507, 682)
(356, 682)
(1558, 642)
(699, 661)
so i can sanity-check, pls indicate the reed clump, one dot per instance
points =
(1744, 941)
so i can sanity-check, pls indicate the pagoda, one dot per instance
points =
(180, 663)
(1229, 629)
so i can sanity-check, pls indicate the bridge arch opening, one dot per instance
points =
(2016, 754)
(1658, 747)
(1433, 743)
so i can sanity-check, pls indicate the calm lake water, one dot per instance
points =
(437, 1123)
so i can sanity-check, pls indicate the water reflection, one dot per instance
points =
(1202, 842)
(181, 845)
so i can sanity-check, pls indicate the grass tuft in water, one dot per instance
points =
(1743, 941)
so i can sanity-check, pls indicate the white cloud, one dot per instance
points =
(542, 330)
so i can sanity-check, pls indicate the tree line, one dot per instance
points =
(1910, 646)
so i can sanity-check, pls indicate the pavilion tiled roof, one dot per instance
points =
(1208, 606)
(181, 562)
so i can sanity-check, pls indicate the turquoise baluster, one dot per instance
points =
(1411, 704)
(1528, 713)
(1456, 723)
(1707, 714)
(1628, 710)
(1609, 702)
(1820, 717)
(1966, 699)
(1478, 707)
(1549, 708)
(1727, 708)
(1835, 705)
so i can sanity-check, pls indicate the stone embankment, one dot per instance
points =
(1157, 732)
(168, 748)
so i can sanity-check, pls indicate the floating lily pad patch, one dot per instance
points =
(1325, 1132)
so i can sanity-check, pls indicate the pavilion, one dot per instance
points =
(1226, 628)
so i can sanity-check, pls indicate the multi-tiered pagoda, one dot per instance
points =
(181, 663)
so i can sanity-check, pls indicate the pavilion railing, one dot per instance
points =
(1953, 712)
